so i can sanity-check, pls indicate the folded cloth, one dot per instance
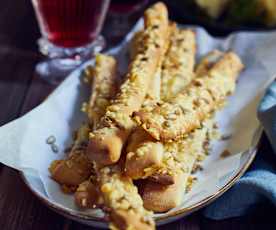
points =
(259, 183)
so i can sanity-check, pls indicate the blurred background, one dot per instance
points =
(221, 17)
(18, 25)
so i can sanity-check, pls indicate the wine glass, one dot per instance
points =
(70, 34)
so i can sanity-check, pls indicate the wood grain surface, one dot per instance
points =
(21, 89)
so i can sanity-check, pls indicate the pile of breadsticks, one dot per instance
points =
(151, 129)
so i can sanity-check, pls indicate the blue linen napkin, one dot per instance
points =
(259, 182)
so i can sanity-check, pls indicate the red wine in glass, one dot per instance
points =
(70, 23)
(70, 28)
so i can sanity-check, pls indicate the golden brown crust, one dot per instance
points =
(106, 144)
(103, 87)
(207, 62)
(87, 195)
(123, 219)
(181, 155)
(147, 157)
(123, 200)
(76, 168)
(160, 198)
(168, 184)
(173, 119)
(72, 171)
(162, 178)
(178, 67)
(136, 44)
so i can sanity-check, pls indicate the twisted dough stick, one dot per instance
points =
(145, 157)
(106, 144)
(175, 118)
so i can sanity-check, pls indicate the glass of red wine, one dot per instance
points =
(70, 34)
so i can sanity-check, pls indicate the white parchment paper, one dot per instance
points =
(23, 141)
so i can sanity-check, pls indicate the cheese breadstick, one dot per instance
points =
(104, 83)
(175, 118)
(143, 67)
(133, 91)
(77, 167)
(103, 87)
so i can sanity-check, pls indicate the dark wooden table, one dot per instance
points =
(21, 90)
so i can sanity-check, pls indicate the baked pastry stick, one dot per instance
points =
(180, 115)
(77, 167)
(104, 75)
(143, 67)
(106, 143)
(145, 155)
(140, 142)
